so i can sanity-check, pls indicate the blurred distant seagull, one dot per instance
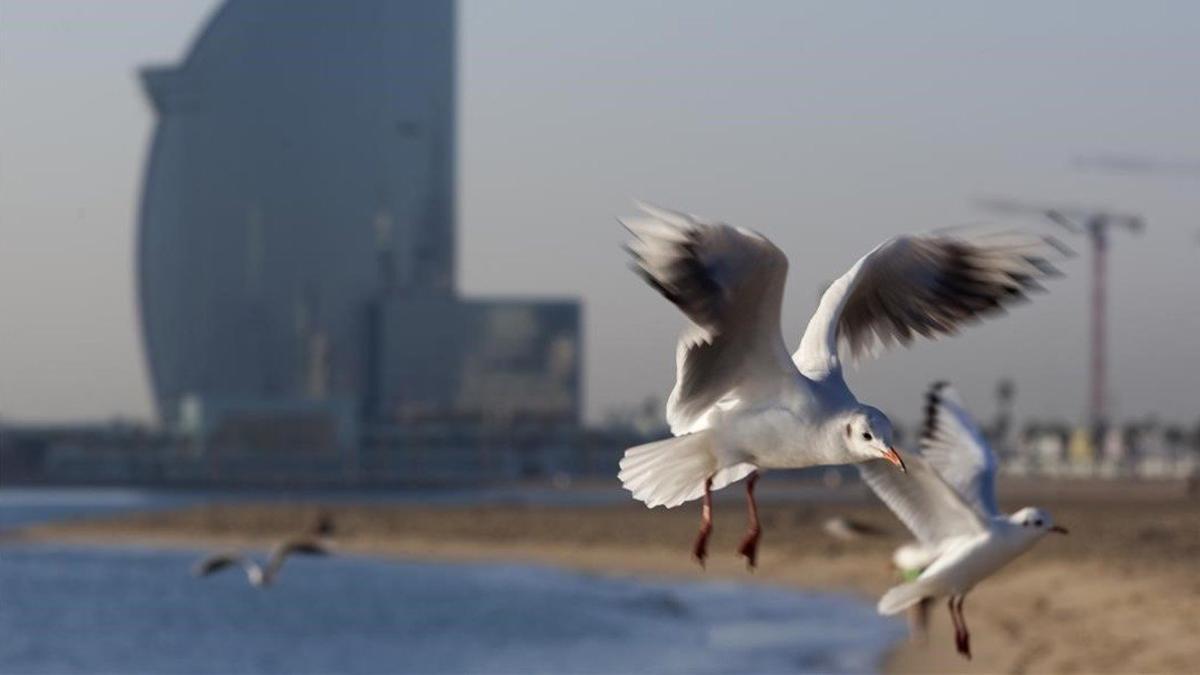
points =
(257, 575)
(740, 403)
(848, 529)
(948, 500)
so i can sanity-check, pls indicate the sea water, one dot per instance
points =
(79, 609)
(66, 609)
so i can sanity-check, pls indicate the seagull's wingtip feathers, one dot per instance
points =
(1057, 244)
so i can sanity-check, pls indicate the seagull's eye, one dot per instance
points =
(1038, 523)
(867, 436)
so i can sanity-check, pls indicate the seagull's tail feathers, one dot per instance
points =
(901, 597)
(672, 471)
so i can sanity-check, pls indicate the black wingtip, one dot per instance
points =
(1063, 249)
(637, 257)
(933, 400)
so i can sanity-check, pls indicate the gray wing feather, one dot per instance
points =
(956, 447)
(297, 546)
(929, 507)
(216, 562)
(729, 282)
(921, 285)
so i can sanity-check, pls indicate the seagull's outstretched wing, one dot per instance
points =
(953, 443)
(294, 546)
(927, 285)
(217, 562)
(729, 282)
(925, 503)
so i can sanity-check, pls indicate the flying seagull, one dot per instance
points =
(257, 575)
(740, 403)
(948, 501)
(849, 529)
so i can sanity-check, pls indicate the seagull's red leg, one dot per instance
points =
(957, 625)
(749, 547)
(700, 548)
(963, 639)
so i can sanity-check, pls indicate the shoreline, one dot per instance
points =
(1118, 595)
(614, 563)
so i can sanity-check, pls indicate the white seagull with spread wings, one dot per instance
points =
(948, 500)
(740, 402)
(262, 576)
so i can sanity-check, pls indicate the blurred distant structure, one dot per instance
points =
(303, 159)
(296, 248)
(1137, 164)
(1144, 448)
(1095, 224)
(116, 452)
(1000, 433)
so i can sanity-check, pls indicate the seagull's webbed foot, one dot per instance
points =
(962, 641)
(700, 548)
(962, 636)
(749, 546)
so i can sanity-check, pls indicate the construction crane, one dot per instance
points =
(1140, 164)
(1095, 224)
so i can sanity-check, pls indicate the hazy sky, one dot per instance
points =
(827, 126)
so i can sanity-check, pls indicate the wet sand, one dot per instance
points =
(1121, 594)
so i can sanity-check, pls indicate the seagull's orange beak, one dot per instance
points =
(894, 457)
(1059, 529)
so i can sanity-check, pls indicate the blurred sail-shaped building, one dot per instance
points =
(296, 243)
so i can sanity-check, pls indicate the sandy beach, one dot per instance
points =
(1121, 594)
